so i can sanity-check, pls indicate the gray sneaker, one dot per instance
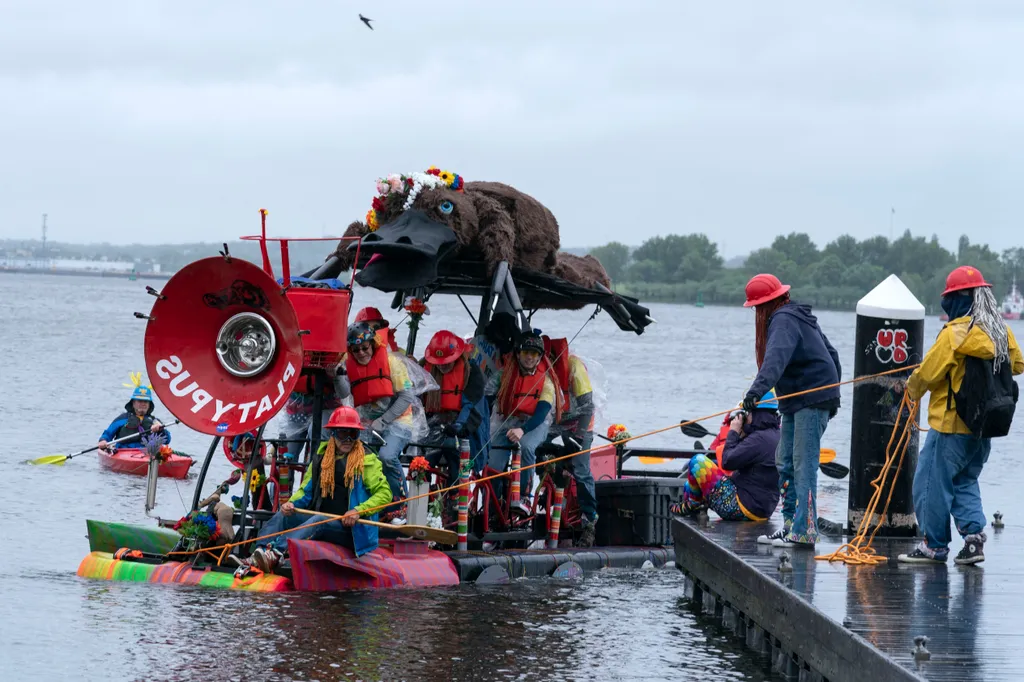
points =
(589, 533)
(922, 554)
(265, 558)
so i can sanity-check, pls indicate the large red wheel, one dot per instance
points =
(223, 349)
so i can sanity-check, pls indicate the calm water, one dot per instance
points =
(68, 345)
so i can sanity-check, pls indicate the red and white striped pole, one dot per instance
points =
(513, 491)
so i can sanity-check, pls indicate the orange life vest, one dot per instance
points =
(372, 381)
(453, 384)
(525, 394)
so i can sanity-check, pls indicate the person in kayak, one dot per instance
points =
(577, 422)
(381, 327)
(383, 394)
(750, 489)
(969, 372)
(457, 406)
(344, 478)
(793, 355)
(137, 418)
(526, 402)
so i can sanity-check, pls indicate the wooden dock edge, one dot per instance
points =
(804, 644)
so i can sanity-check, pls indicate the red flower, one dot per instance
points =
(409, 181)
(378, 204)
(434, 171)
(419, 464)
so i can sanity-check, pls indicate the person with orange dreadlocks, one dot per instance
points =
(527, 401)
(344, 478)
(793, 355)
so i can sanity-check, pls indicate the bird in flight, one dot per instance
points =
(366, 21)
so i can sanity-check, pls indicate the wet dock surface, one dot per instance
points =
(972, 615)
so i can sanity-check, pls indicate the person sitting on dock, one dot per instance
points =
(137, 418)
(385, 334)
(974, 343)
(577, 422)
(527, 401)
(382, 392)
(750, 491)
(344, 479)
(457, 406)
(793, 355)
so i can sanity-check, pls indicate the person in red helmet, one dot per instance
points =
(793, 355)
(457, 405)
(344, 478)
(969, 372)
(373, 317)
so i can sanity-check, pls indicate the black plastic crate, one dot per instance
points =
(634, 511)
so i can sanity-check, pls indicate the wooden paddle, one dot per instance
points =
(438, 535)
(826, 461)
(58, 460)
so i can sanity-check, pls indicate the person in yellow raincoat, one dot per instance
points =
(969, 373)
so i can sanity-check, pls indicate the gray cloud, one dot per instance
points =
(160, 121)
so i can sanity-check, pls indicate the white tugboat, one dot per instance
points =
(1013, 304)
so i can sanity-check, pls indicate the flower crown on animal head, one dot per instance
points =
(411, 185)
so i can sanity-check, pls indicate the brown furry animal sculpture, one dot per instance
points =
(418, 221)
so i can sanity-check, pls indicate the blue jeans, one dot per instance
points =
(499, 456)
(333, 532)
(946, 482)
(797, 459)
(397, 438)
(586, 493)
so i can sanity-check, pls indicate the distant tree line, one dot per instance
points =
(687, 268)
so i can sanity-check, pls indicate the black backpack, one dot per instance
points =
(986, 400)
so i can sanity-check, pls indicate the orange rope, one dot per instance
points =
(859, 552)
(510, 472)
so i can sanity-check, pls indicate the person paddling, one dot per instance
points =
(793, 355)
(344, 478)
(137, 418)
(969, 372)
(750, 491)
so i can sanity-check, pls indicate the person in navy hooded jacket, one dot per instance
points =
(793, 355)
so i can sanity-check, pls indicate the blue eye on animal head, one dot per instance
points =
(446, 207)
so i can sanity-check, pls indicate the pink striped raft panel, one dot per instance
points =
(323, 567)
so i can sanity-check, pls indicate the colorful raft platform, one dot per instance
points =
(830, 621)
(323, 567)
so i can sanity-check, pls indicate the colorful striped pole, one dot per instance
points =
(464, 469)
(556, 518)
(513, 491)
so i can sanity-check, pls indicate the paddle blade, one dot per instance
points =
(55, 460)
(438, 535)
(827, 455)
(834, 470)
(694, 430)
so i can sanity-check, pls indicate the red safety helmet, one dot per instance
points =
(964, 277)
(345, 418)
(763, 288)
(370, 314)
(444, 347)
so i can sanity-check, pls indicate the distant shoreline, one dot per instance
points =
(86, 273)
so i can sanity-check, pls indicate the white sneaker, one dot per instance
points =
(781, 542)
(399, 521)
(780, 534)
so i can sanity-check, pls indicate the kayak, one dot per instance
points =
(136, 461)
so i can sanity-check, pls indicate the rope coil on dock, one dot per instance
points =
(858, 551)
(212, 551)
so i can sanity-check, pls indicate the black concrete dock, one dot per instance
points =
(503, 565)
(830, 621)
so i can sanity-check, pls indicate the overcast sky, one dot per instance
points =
(136, 120)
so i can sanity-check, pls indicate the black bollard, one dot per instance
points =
(890, 334)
